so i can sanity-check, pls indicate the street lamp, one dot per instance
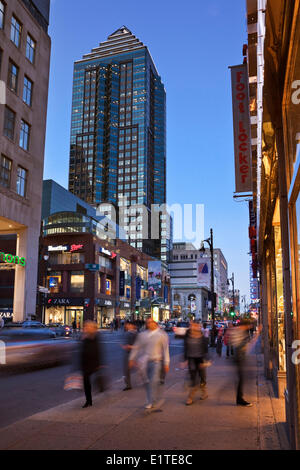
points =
(210, 242)
(233, 298)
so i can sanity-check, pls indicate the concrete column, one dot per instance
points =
(26, 276)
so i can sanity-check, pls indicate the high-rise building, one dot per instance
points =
(118, 137)
(24, 74)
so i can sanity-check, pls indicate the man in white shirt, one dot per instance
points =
(153, 345)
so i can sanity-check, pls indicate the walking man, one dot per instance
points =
(153, 345)
(240, 340)
(194, 354)
(129, 340)
(90, 357)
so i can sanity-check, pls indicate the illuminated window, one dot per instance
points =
(77, 281)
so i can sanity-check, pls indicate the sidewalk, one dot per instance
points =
(117, 420)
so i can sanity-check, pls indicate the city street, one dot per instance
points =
(118, 421)
(25, 394)
(149, 184)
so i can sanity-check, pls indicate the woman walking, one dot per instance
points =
(194, 355)
(90, 356)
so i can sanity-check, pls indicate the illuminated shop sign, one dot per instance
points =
(70, 248)
(11, 259)
(112, 254)
(76, 247)
(58, 248)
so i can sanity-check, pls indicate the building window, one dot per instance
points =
(13, 73)
(5, 171)
(24, 135)
(16, 31)
(30, 49)
(21, 181)
(2, 14)
(54, 283)
(9, 123)
(77, 281)
(27, 91)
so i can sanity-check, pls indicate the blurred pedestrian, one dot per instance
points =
(227, 340)
(74, 328)
(195, 357)
(239, 339)
(219, 346)
(214, 334)
(90, 357)
(129, 340)
(153, 347)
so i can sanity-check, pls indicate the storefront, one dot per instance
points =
(125, 310)
(105, 312)
(65, 311)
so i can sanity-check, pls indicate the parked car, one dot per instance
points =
(59, 329)
(180, 329)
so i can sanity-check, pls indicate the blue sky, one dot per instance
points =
(192, 44)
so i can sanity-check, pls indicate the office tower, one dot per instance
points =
(24, 74)
(118, 134)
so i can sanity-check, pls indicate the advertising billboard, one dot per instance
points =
(154, 275)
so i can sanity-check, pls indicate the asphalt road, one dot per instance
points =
(24, 394)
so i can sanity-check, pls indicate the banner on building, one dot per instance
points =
(203, 272)
(122, 284)
(242, 129)
(154, 275)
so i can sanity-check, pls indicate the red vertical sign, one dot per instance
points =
(242, 129)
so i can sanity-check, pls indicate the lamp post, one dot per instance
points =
(210, 242)
(233, 297)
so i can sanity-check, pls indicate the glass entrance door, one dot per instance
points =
(75, 314)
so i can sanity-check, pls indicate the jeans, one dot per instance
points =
(152, 385)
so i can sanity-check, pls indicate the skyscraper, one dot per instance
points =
(118, 133)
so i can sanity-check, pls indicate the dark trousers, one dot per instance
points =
(196, 369)
(229, 350)
(240, 372)
(126, 369)
(87, 388)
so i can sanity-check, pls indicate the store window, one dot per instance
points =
(108, 287)
(77, 282)
(66, 258)
(105, 262)
(54, 282)
(280, 300)
(297, 256)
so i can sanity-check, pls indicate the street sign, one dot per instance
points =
(92, 267)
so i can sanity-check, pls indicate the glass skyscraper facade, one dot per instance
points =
(118, 132)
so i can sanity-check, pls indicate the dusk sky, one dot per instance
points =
(192, 43)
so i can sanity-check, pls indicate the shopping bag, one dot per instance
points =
(73, 382)
(101, 380)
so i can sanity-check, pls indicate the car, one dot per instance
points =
(180, 329)
(27, 348)
(59, 329)
(33, 324)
